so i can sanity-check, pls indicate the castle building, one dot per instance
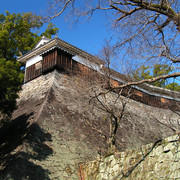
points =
(55, 128)
(50, 54)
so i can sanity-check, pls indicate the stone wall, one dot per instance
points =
(147, 94)
(160, 160)
(47, 136)
(37, 88)
(55, 128)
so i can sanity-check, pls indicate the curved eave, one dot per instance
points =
(62, 45)
(37, 51)
(80, 52)
(57, 47)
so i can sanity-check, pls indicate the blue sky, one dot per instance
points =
(88, 36)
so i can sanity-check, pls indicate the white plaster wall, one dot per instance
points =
(33, 60)
(86, 62)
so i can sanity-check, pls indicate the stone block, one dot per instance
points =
(172, 138)
(168, 147)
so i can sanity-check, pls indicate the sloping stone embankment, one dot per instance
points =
(160, 160)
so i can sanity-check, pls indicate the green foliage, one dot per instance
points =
(173, 86)
(50, 30)
(144, 72)
(10, 79)
(160, 70)
(18, 35)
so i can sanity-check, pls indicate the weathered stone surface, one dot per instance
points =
(162, 165)
(53, 130)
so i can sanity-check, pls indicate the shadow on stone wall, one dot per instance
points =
(159, 160)
(139, 161)
(21, 144)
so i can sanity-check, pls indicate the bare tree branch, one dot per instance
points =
(149, 30)
(62, 10)
(140, 82)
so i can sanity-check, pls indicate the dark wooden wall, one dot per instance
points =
(64, 62)
(60, 60)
